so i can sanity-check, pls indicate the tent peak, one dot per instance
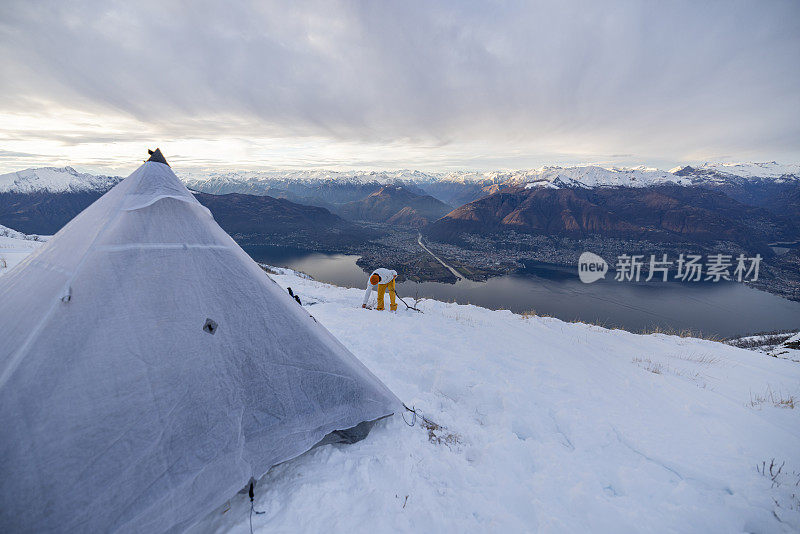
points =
(157, 156)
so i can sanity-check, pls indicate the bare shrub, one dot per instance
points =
(777, 400)
(658, 368)
(439, 435)
(649, 365)
(781, 478)
(685, 333)
(267, 269)
(702, 359)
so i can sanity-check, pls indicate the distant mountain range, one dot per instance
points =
(42, 201)
(753, 203)
(660, 213)
(395, 204)
(43, 211)
(485, 224)
(256, 219)
(460, 187)
(55, 180)
(315, 188)
(306, 182)
(756, 185)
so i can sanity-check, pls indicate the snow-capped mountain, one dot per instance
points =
(55, 180)
(332, 188)
(586, 176)
(67, 179)
(577, 176)
(458, 188)
(593, 176)
(327, 189)
(256, 181)
(732, 173)
(771, 186)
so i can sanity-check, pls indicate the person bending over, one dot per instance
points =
(383, 279)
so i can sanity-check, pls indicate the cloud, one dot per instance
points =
(646, 81)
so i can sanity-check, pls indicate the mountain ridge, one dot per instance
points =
(662, 213)
(67, 178)
(55, 180)
(395, 204)
(252, 218)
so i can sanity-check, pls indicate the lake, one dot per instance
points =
(722, 309)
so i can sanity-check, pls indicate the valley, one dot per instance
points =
(475, 225)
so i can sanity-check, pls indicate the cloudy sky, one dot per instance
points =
(426, 85)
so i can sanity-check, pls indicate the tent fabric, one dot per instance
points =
(119, 410)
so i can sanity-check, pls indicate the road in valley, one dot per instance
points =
(437, 258)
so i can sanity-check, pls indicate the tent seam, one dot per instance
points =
(158, 246)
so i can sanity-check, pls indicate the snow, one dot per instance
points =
(579, 176)
(771, 169)
(784, 345)
(593, 176)
(789, 349)
(738, 173)
(253, 180)
(67, 179)
(15, 247)
(550, 427)
(54, 180)
(489, 178)
(582, 176)
(587, 176)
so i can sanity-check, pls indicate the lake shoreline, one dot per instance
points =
(705, 309)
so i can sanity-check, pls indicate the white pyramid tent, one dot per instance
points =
(149, 368)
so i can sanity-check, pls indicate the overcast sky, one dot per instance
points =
(427, 85)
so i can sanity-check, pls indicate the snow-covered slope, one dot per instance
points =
(582, 176)
(551, 176)
(487, 178)
(721, 173)
(15, 246)
(242, 181)
(68, 179)
(54, 180)
(593, 176)
(546, 426)
(785, 345)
